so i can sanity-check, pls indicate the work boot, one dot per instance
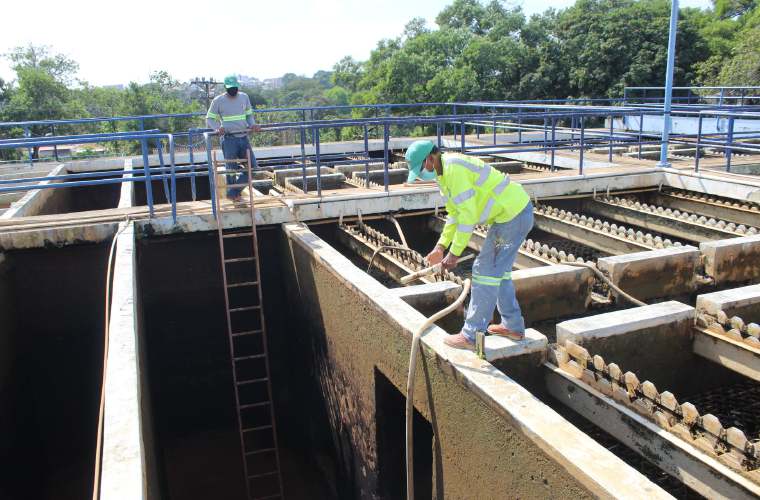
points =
(459, 341)
(503, 331)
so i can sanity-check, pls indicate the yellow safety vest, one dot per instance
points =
(475, 193)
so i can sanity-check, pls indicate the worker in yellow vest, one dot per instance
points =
(475, 193)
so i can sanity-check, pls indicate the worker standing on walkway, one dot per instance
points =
(476, 193)
(231, 115)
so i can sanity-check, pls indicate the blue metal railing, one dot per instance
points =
(542, 129)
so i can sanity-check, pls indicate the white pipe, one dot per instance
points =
(410, 384)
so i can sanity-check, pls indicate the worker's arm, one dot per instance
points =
(213, 118)
(465, 209)
(447, 234)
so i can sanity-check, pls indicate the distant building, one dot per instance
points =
(272, 83)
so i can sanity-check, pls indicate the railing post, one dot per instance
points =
(192, 162)
(319, 163)
(148, 183)
(546, 134)
(211, 176)
(699, 139)
(55, 146)
(30, 151)
(366, 155)
(641, 132)
(454, 112)
(609, 156)
(173, 200)
(477, 126)
(386, 140)
(720, 98)
(303, 159)
(519, 125)
(494, 131)
(554, 140)
(730, 140)
(461, 133)
(438, 132)
(163, 169)
(580, 164)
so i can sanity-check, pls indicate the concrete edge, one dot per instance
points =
(732, 298)
(32, 200)
(648, 255)
(123, 469)
(596, 468)
(623, 321)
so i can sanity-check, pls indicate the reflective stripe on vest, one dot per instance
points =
(501, 186)
(465, 228)
(233, 118)
(507, 276)
(463, 196)
(450, 220)
(484, 172)
(211, 115)
(487, 210)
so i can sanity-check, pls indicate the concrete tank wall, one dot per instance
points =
(50, 405)
(352, 345)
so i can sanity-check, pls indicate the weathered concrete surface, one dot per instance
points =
(735, 188)
(652, 341)
(325, 181)
(284, 173)
(654, 273)
(57, 236)
(123, 471)
(395, 176)
(33, 202)
(736, 356)
(743, 302)
(735, 260)
(440, 293)
(695, 469)
(552, 291)
(359, 332)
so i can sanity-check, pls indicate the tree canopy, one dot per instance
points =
(477, 50)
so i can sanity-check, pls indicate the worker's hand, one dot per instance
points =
(435, 256)
(220, 131)
(450, 262)
(255, 128)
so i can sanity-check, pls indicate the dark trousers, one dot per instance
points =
(236, 148)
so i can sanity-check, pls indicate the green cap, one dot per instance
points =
(415, 155)
(231, 81)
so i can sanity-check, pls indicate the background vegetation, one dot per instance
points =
(477, 51)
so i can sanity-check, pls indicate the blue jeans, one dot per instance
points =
(492, 276)
(236, 148)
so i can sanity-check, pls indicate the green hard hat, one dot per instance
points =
(231, 81)
(415, 155)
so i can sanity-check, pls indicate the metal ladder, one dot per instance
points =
(246, 331)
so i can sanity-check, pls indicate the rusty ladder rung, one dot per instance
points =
(263, 474)
(256, 452)
(254, 405)
(246, 332)
(239, 259)
(236, 235)
(245, 308)
(259, 428)
(252, 381)
(252, 356)
(242, 283)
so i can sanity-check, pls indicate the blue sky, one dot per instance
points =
(119, 42)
